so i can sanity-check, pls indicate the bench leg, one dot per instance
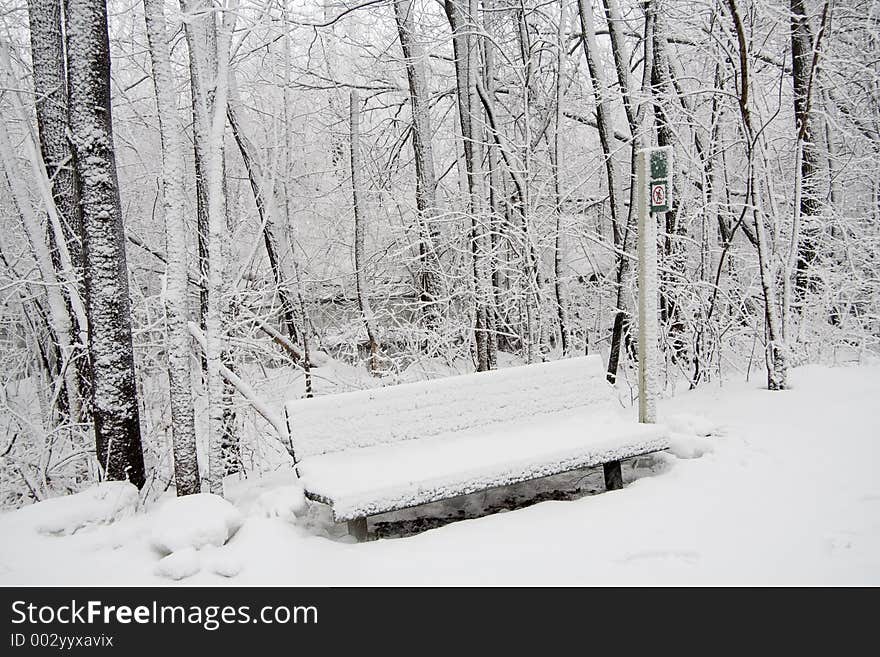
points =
(613, 475)
(358, 529)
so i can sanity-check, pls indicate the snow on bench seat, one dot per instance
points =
(370, 480)
(384, 449)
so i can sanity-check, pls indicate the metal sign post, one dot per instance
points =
(654, 181)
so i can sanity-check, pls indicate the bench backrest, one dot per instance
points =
(427, 408)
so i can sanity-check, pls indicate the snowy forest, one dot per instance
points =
(211, 207)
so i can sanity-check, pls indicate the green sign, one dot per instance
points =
(660, 184)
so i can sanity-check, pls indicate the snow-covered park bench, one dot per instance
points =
(373, 451)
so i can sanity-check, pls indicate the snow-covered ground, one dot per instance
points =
(785, 491)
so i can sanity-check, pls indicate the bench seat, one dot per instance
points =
(372, 451)
(365, 481)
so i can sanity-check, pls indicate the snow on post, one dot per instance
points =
(647, 250)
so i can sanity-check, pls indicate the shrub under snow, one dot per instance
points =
(101, 504)
(691, 424)
(194, 521)
(285, 502)
(180, 564)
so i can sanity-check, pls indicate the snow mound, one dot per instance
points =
(222, 564)
(183, 563)
(285, 502)
(689, 446)
(194, 521)
(101, 504)
(695, 425)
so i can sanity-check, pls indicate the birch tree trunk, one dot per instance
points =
(635, 111)
(114, 394)
(206, 79)
(59, 319)
(201, 41)
(186, 466)
(216, 246)
(359, 255)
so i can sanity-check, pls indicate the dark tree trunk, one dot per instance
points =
(51, 101)
(672, 253)
(270, 240)
(114, 393)
(801, 72)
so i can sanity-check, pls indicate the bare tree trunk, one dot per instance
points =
(777, 366)
(200, 30)
(803, 252)
(59, 318)
(531, 276)
(635, 115)
(200, 34)
(430, 279)
(359, 255)
(604, 117)
(562, 297)
(498, 225)
(288, 217)
(531, 267)
(186, 465)
(279, 265)
(480, 241)
(337, 67)
(114, 394)
(810, 203)
(702, 354)
(672, 252)
(604, 122)
(217, 241)
(51, 101)
(462, 20)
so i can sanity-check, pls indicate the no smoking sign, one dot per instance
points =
(659, 187)
(658, 195)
